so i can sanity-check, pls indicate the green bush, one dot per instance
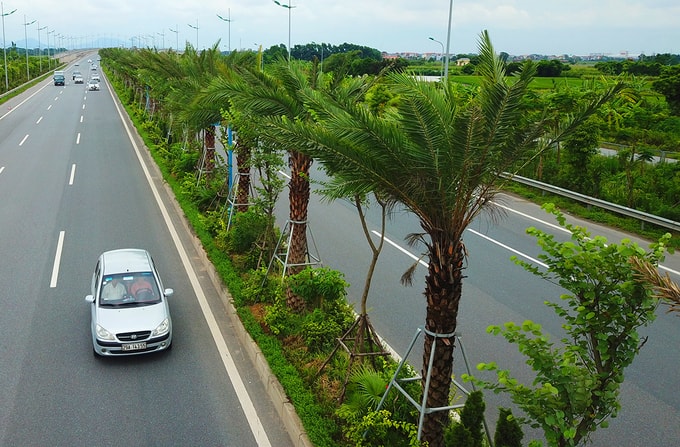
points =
(377, 428)
(469, 432)
(319, 287)
(280, 320)
(508, 430)
(246, 230)
(258, 287)
(319, 331)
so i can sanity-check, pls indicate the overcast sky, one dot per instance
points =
(575, 27)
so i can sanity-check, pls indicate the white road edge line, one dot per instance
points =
(57, 260)
(256, 426)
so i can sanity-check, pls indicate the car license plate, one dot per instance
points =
(133, 346)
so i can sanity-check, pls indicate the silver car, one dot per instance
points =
(130, 314)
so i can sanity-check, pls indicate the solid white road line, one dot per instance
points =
(249, 411)
(57, 260)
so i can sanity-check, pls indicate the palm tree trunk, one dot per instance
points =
(299, 190)
(209, 164)
(443, 290)
(243, 154)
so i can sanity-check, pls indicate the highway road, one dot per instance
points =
(495, 291)
(74, 183)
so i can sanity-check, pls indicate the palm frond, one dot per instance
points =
(662, 285)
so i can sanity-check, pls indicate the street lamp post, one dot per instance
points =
(40, 46)
(28, 72)
(4, 45)
(49, 56)
(196, 28)
(441, 71)
(448, 43)
(162, 40)
(228, 20)
(289, 7)
(176, 31)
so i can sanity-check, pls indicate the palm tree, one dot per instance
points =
(441, 155)
(275, 94)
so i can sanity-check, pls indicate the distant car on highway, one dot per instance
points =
(59, 78)
(78, 79)
(93, 85)
(75, 74)
(95, 77)
(129, 307)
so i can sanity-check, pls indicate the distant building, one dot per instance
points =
(462, 61)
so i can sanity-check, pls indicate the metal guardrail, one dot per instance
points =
(623, 210)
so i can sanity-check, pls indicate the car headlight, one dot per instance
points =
(103, 334)
(162, 328)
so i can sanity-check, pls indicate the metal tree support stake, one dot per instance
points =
(422, 406)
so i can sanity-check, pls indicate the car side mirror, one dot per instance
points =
(89, 298)
(168, 292)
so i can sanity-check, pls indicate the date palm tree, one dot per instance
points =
(442, 154)
(276, 94)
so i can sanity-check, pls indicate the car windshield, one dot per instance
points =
(129, 290)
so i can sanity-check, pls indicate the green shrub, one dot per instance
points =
(377, 428)
(246, 229)
(318, 287)
(508, 430)
(470, 431)
(280, 320)
(260, 288)
(365, 389)
(457, 435)
(319, 331)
